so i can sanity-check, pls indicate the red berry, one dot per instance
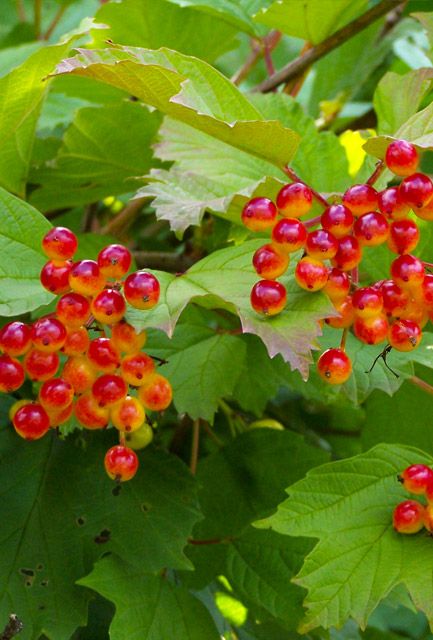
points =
(372, 330)
(141, 290)
(321, 244)
(259, 214)
(56, 394)
(114, 261)
(361, 198)
(73, 310)
(109, 389)
(289, 234)
(408, 517)
(403, 236)
(103, 355)
(31, 421)
(395, 300)
(311, 274)
(41, 365)
(334, 366)
(416, 190)
(79, 372)
(268, 297)
(11, 374)
(108, 306)
(77, 342)
(416, 478)
(391, 204)
(349, 254)
(294, 200)
(367, 302)
(89, 413)
(86, 278)
(48, 334)
(408, 272)
(137, 368)
(347, 314)
(59, 243)
(128, 415)
(428, 518)
(401, 158)
(60, 416)
(337, 219)
(121, 463)
(427, 290)
(126, 339)
(425, 213)
(269, 262)
(404, 335)
(156, 394)
(55, 277)
(15, 338)
(338, 285)
(415, 312)
(371, 229)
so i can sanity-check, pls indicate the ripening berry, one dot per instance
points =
(404, 335)
(338, 220)
(408, 517)
(294, 200)
(56, 394)
(11, 374)
(429, 494)
(416, 312)
(334, 366)
(109, 389)
(48, 334)
(31, 421)
(89, 414)
(103, 355)
(371, 229)
(259, 214)
(408, 272)
(425, 213)
(80, 373)
(428, 518)
(395, 300)
(17, 405)
(141, 438)
(136, 369)
(391, 204)
(349, 254)
(108, 306)
(77, 342)
(416, 190)
(367, 302)
(156, 394)
(338, 285)
(15, 338)
(268, 297)
(55, 277)
(269, 262)
(59, 243)
(121, 463)
(401, 158)
(371, 330)
(289, 234)
(361, 198)
(311, 274)
(403, 236)
(41, 365)
(141, 290)
(128, 415)
(86, 278)
(126, 339)
(114, 261)
(61, 416)
(346, 317)
(427, 290)
(321, 244)
(73, 310)
(416, 478)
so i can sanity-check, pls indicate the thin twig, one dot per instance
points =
(259, 48)
(300, 64)
(123, 220)
(210, 541)
(54, 22)
(37, 18)
(21, 11)
(343, 339)
(13, 628)
(212, 435)
(379, 169)
(312, 222)
(195, 446)
(293, 176)
(422, 384)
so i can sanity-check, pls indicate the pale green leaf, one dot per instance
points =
(238, 13)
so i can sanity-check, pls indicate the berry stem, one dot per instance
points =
(258, 49)
(211, 541)
(212, 435)
(343, 339)
(55, 21)
(195, 446)
(380, 167)
(312, 222)
(160, 361)
(428, 264)
(13, 628)
(422, 384)
(293, 176)
(354, 274)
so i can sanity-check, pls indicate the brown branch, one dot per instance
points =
(54, 22)
(37, 18)
(380, 167)
(122, 221)
(13, 628)
(21, 10)
(163, 261)
(260, 48)
(300, 64)
(195, 446)
(294, 176)
(422, 384)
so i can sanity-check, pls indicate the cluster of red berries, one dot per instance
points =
(411, 516)
(395, 309)
(105, 376)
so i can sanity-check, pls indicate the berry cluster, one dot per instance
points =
(393, 310)
(411, 516)
(105, 376)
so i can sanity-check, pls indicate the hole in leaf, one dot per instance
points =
(27, 572)
(103, 537)
(80, 521)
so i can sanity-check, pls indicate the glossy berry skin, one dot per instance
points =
(395, 300)
(89, 414)
(121, 463)
(391, 204)
(416, 190)
(86, 278)
(346, 317)
(48, 334)
(114, 261)
(321, 244)
(427, 291)
(371, 229)
(17, 405)
(56, 394)
(360, 199)
(334, 366)
(425, 213)
(156, 394)
(371, 330)
(31, 421)
(141, 290)
(404, 335)
(338, 285)
(108, 307)
(289, 234)
(294, 200)
(109, 389)
(259, 214)
(349, 254)
(268, 297)
(55, 277)
(367, 302)
(11, 374)
(73, 310)
(77, 342)
(401, 158)
(41, 365)
(416, 478)
(141, 438)
(103, 355)
(59, 243)
(137, 368)
(15, 338)
(128, 415)
(269, 262)
(126, 339)
(79, 372)
(408, 272)
(403, 236)
(408, 517)
(311, 274)
(338, 220)
(415, 312)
